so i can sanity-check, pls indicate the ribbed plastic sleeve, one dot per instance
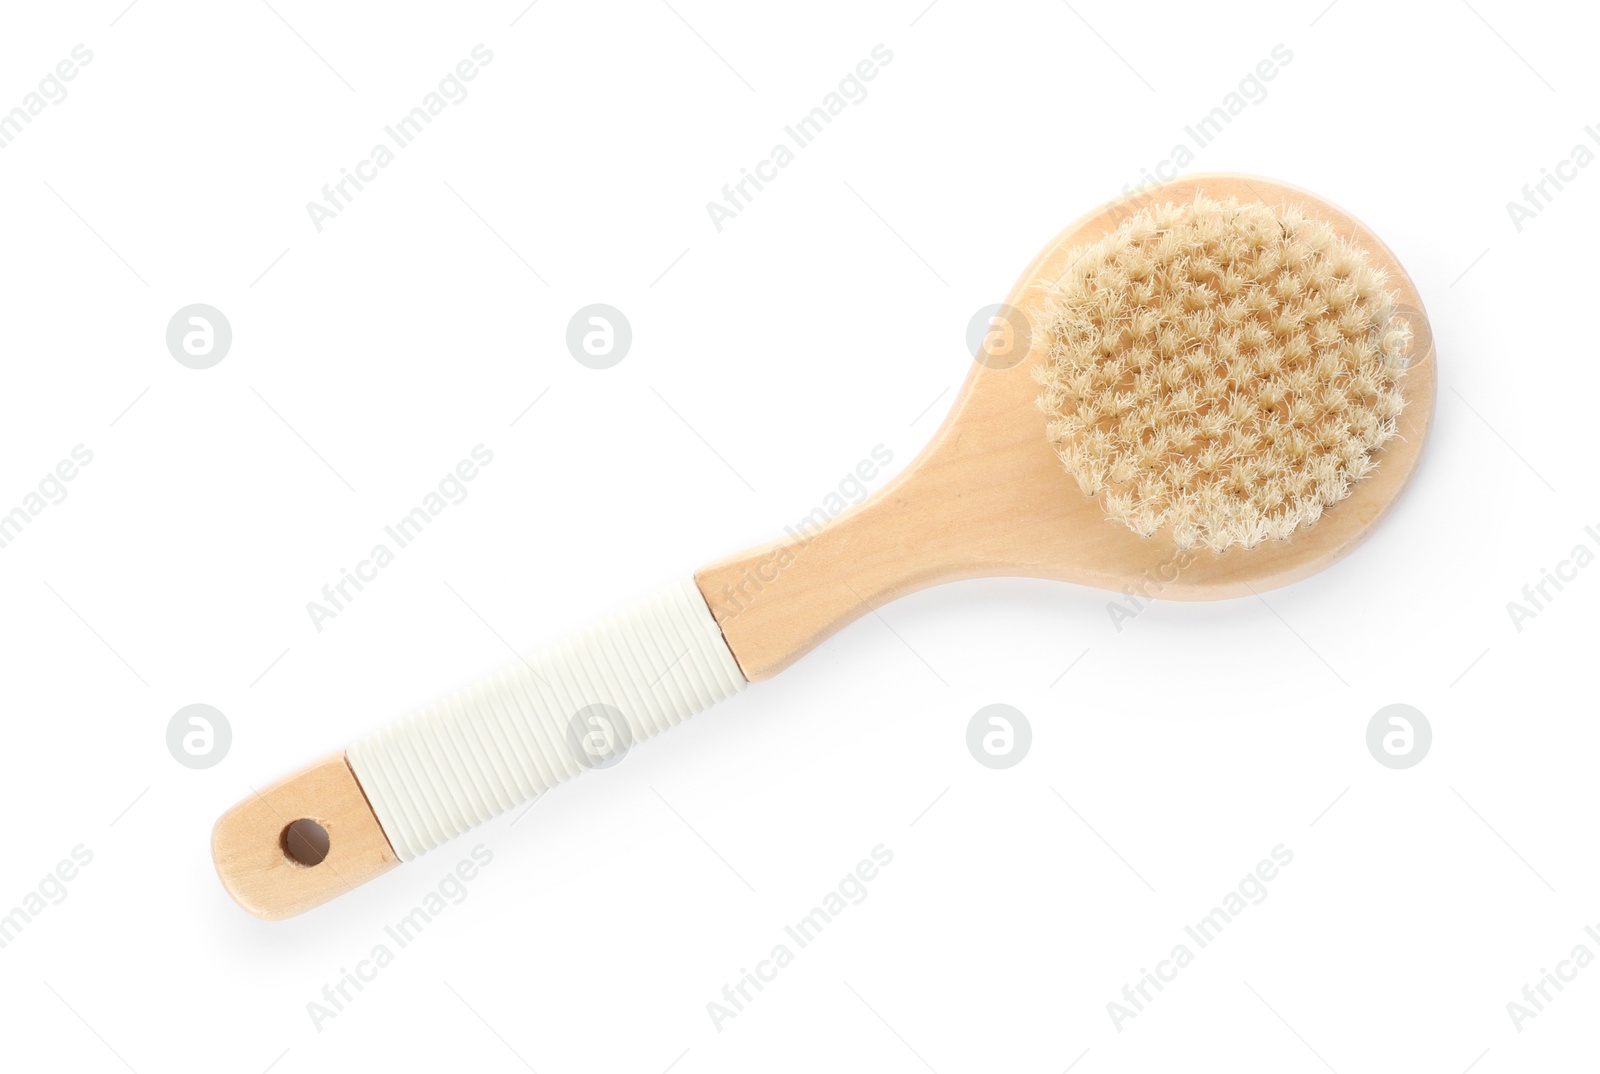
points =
(541, 721)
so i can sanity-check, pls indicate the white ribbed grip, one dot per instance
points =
(483, 750)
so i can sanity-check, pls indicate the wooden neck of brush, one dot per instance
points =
(776, 602)
(779, 600)
(986, 498)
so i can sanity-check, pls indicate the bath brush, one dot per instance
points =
(1211, 389)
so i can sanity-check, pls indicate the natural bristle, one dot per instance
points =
(1223, 369)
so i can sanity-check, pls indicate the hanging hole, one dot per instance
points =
(304, 842)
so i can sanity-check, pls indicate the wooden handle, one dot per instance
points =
(266, 847)
(406, 788)
(779, 600)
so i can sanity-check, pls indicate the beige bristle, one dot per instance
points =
(1223, 369)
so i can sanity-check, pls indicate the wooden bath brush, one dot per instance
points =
(1215, 388)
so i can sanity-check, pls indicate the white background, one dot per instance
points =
(826, 319)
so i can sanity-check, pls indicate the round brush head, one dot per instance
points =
(1223, 369)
